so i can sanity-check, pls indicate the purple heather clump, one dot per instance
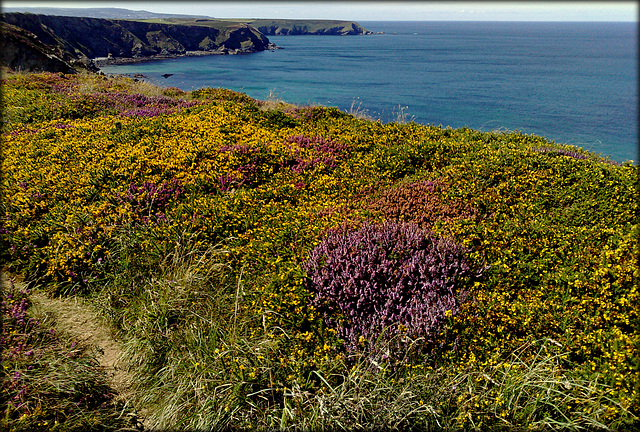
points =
(573, 154)
(389, 284)
(319, 144)
(149, 200)
(23, 131)
(239, 149)
(63, 126)
(248, 162)
(17, 328)
(226, 182)
(134, 104)
(136, 100)
(319, 150)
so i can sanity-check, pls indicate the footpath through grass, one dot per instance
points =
(271, 266)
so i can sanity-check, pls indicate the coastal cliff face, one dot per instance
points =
(80, 40)
(22, 50)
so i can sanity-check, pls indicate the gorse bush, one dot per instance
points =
(220, 94)
(390, 282)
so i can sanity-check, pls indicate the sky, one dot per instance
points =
(376, 10)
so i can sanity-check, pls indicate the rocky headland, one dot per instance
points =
(66, 44)
(281, 27)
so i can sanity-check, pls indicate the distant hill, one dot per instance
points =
(273, 27)
(104, 13)
(268, 27)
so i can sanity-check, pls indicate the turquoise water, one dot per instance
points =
(574, 83)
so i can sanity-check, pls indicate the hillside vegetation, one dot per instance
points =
(273, 266)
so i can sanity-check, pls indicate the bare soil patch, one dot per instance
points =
(73, 316)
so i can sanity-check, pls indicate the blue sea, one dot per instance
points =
(573, 83)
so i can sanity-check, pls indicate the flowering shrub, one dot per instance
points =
(132, 105)
(222, 95)
(570, 153)
(308, 152)
(63, 99)
(147, 202)
(306, 113)
(561, 152)
(421, 203)
(383, 281)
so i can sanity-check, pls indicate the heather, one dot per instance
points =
(270, 266)
(379, 283)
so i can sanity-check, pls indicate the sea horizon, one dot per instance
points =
(571, 82)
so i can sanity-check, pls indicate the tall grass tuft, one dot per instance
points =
(358, 111)
(275, 102)
(513, 393)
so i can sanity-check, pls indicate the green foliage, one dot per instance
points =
(221, 94)
(277, 120)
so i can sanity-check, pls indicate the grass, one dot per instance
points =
(188, 226)
(274, 102)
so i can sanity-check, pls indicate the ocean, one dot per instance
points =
(571, 82)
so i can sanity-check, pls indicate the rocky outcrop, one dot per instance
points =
(83, 39)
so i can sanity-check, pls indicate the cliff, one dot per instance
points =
(269, 27)
(22, 50)
(80, 39)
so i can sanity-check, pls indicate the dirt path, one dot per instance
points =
(76, 318)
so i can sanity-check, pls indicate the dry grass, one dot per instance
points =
(275, 103)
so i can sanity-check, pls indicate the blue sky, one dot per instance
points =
(377, 10)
